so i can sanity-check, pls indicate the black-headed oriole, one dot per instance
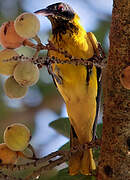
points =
(78, 85)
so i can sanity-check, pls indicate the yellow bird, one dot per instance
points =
(78, 84)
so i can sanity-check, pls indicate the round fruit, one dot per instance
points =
(8, 36)
(13, 90)
(125, 78)
(7, 156)
(7, 68)
(17, 137)
(26, 73)
(27, 25)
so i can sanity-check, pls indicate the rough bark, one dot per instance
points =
(114, 162)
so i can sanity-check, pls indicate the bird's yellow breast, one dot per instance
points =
(80, 97)
(77, 45)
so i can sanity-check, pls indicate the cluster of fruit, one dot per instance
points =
(22, 74)
(16, 140)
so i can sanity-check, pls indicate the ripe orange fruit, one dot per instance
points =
(8, 36)
(7, 156)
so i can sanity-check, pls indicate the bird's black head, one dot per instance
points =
(58, 11)
(62, 18)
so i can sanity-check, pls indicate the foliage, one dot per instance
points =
(62, 126)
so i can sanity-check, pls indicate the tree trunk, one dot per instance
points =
(114, 162)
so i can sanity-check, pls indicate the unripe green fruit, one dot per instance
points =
(17, 137)
(13, 90)
(26, 73)
(27, 25)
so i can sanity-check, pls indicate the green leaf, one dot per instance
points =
(62, 126)
(64, 175)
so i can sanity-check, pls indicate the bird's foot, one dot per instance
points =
(77, 147)
(94, 143)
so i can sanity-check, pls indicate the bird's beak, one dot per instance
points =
(44, 12)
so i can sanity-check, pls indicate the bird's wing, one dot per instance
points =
(94, 42)
(95, 45)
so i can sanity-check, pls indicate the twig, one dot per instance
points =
(33, 152)
(45, 61)
(50, 166)
(16, 58)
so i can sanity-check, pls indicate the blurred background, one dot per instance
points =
(43, 104)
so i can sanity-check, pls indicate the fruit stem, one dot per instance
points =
(33, 151)
(37, 39)
(27, 42)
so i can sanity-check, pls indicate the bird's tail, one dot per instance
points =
(80, 161)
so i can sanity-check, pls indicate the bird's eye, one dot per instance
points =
(60, 8)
